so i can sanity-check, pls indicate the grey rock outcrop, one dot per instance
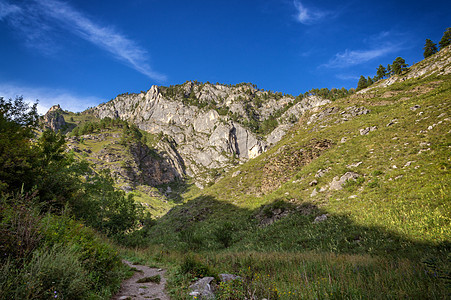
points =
(202, 138)
(54, 119)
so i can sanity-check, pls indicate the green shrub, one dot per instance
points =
(55, 273)
(196, 268)
(99, 259)
(19, 227)
(9, 279)
(223, 234)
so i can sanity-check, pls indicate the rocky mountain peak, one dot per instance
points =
(54, 119)
(212, 126)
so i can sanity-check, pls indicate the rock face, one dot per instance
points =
(202, 138)
(132, 164)
(54, 119)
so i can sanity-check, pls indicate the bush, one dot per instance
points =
(196, 268)
(19, 227)
(224, 234)
(51, 273)
(55, 273)
(99, 259)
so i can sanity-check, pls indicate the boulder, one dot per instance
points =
(204, 288)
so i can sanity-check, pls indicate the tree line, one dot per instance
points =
(399, 65)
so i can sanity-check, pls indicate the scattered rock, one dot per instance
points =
(314, 182)
(343, 140)
(314, 193)
(415, 107)
(321, 218)
(337, 183)
(365, 131)
(203, 288)
(394, 121)
(321, 172)
(408, 163)
(235, 174)
(354, 165)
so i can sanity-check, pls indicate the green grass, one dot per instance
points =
(155, 279)
(387, 235)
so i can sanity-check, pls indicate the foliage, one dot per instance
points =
(381, 72)
(19, 226)
(446, 38)
(105, 208)
(17, 122)
(223, 234)
(100, 259)
(196, 268)
(363, 83)
(55, 273)
(36, 265)
(92, 126)
(430, 48)
(399, 66)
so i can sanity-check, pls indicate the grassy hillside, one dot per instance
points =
(385, 233)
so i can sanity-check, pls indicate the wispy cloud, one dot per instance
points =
(7, 9)
(36, 21)
(377, 46)
(347, 77)
(48, 97)
(308, 16)
(355, 57)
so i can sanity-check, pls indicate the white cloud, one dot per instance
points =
(37, 21)
(347, 77)
(308, 16)
(48, 97)
(377, 45)
(355, 57)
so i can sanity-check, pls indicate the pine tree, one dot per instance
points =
(446, 38)
(399, 66)
(362, 83)
(429, 48)
(389, 70)
(369, 81)
(381, 72)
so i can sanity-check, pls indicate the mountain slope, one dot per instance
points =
(213, 127)
(392, 143)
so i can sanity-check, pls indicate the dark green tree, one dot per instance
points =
(429, 48)
(362, 83)
(106, 208)
(381, 72)
(389, 70)
(399, 66)
(369, 81)
(446, 39)
(17, 124)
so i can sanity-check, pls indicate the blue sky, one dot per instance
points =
(79, 53)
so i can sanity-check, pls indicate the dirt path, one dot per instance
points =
(132, 290)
